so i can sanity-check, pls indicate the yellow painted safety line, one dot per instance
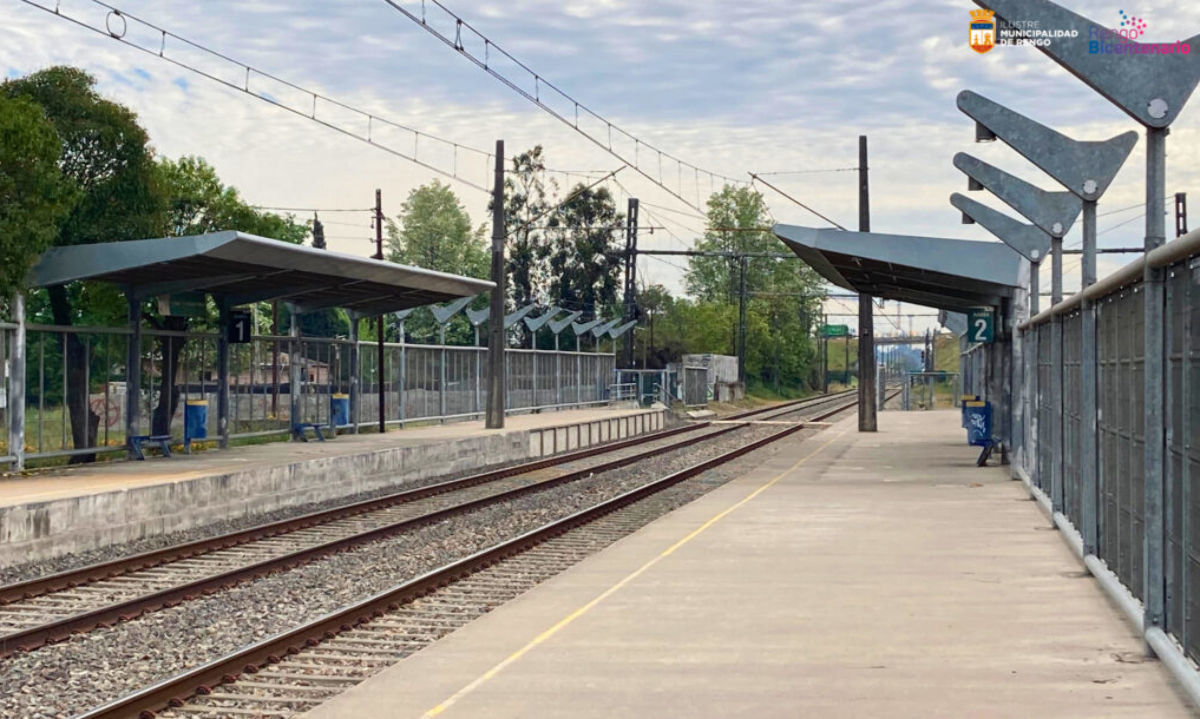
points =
(562, 623)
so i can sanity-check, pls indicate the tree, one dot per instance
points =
(34, 196)
(433, 231)
(198, 202)
(583, 267)
(783, 293)
(527, 197)
(105, 156)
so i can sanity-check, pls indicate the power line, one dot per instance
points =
(536, 97)
(754, 177)
(116, 25)
(807, 172)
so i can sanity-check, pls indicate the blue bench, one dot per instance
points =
(138, 441)
(299, 428)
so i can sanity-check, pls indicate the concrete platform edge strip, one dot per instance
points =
(1160, 644)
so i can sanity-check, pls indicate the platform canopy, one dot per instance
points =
(947, 274)
(237, 269)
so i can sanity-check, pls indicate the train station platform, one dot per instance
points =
(849, 575)
(90, 506)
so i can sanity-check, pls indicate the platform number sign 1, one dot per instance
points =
(981, 326)
(238, 331)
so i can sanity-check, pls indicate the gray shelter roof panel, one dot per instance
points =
(937, 272)
(238, 268)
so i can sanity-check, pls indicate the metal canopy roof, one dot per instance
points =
(936, 272)
(238, 269)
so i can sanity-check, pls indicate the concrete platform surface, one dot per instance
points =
(851, 575)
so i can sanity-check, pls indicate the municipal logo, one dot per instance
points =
(983, 30)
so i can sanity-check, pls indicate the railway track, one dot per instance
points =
(298, 669)
(44, 610)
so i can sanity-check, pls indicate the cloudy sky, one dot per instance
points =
(756, 85)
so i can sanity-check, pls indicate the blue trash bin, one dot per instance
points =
(339, 410)
(195, 420)
(979, 423)
(963, 402)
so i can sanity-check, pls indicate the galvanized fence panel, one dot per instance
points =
(1072, 353)
(1046, 412)
(75, 390)
(1183, 455)
(1120, 428)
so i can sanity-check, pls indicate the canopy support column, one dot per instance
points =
(133, 370)
(16, 384)
(223, 376)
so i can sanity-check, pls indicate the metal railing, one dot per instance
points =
(76, 402)
(1095, 479)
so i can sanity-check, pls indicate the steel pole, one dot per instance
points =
(16, 384)
(379, 321)
(495, 408)
(1089, 447)
(1035, 398)
(741, 335)
(1057, 490)
(1154, 389)
(867, 421)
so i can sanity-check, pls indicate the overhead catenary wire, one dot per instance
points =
(756, 178)
(116, 25)
(806, 172)
(535, 95)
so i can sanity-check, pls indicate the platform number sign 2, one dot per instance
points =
(238, 331)
(980, 326)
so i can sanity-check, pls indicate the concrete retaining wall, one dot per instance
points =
(58, 527)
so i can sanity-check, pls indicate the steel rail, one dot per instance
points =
(39, 635)
(145, 703)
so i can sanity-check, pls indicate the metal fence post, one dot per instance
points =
(1154, 387)
(293, 369)
(402, 376)
(1057, 480)
(1089, 448)
(16, 384)
(355, 389)
(442, 374)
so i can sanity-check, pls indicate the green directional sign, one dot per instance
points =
(981, 326)
(835, 331)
